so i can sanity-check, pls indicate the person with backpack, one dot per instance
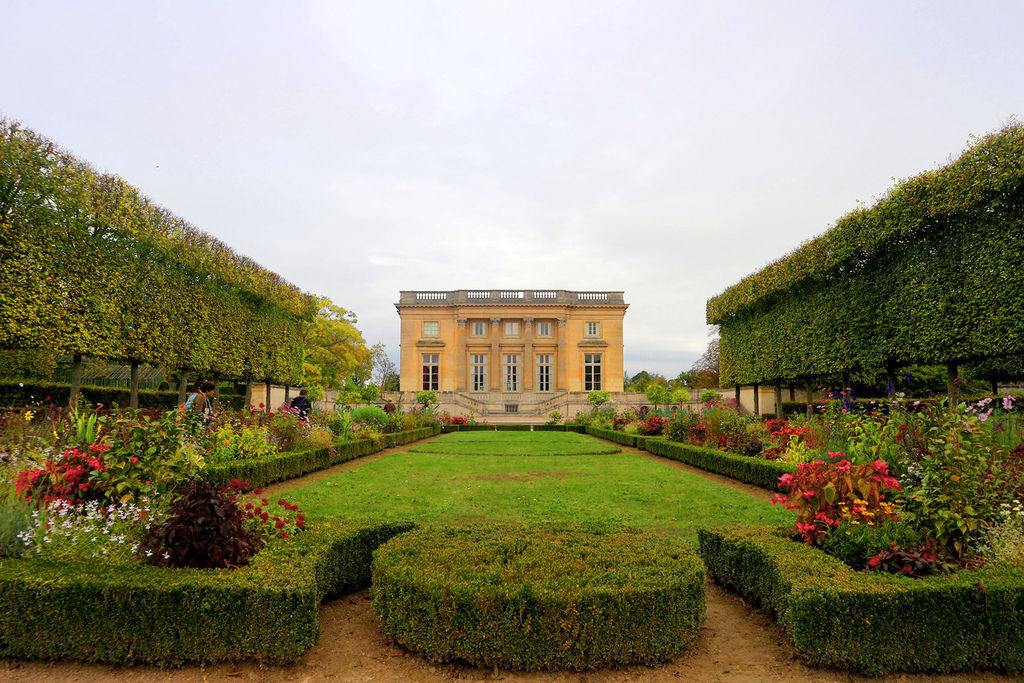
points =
(201, 402)
(302, 404)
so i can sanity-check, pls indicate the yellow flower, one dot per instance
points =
(28, 415)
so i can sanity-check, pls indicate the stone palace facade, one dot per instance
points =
(522, 352)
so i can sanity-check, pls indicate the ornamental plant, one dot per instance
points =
(230, 443)
(204, 528)
(74, 478)
(823, 494)
(653, 425)
(914, 563)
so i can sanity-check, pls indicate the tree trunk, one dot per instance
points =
(952, 386)
(76, 381)
(287, 390)
(995, 387)
(778, 401)
(810, 400)
(133, 401)
(267, 400)
(792, 393)
(846, 380)
(248, 395)
(182, 387)
(757, 399)
(736, 391)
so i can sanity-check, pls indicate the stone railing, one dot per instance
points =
(505, 296)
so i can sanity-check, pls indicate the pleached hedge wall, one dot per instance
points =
(90, 266)
(929, 274)
(873, 623)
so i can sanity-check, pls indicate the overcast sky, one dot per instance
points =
(667, 149)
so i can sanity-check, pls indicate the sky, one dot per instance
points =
(667, 149)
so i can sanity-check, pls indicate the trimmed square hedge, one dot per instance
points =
(868, 622)
(620, 438)
(127, 614)
(281, 466)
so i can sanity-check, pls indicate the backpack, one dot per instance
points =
(188, 402)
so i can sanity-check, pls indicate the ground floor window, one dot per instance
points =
(511, 372)
(591, 372)
(431, 362)
(543, 372)
(479, 371)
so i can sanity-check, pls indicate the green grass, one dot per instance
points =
(515, 443)
(607, 488)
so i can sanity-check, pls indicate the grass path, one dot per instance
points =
(620, 488)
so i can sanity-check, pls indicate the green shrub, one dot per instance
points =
(873, 623)
(855, 544)
(372, 415)
(155, 615)
(15, 518)
(538, 598)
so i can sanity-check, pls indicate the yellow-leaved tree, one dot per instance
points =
(334, 348)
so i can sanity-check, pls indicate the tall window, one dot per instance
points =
(593, 329)
(591, 372)
(431, 328)
(511, 328)
(479, 328)
(543, 372)
(544, 329)
(430, 371)
(511, 372)
(479, 371)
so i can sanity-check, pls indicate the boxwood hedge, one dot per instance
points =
(143, 614)
(281, 466)
(868, 622)
(756, 471)
(531, 598)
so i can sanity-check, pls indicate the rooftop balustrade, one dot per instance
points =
(509, 296)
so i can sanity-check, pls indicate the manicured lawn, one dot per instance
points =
(618, 488)
(515, 443)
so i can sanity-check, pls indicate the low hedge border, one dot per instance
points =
(756, 471)
(873, 623)
(611, 435)
(529, 598)
(130, 614)
(282, 466)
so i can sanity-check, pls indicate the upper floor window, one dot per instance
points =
(479, 328)
(431, 328)
(593, 329)
(511, 328)
(544, 329)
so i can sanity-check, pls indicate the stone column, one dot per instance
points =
(527, 368)
(562, 359)
(494, 361)
(461, 383)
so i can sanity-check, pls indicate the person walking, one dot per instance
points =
(302, 404)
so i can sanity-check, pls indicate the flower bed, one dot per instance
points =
(281, 466)
(873, 623)
(144, 614)
(531, 599)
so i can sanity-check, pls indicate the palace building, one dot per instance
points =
(511, 351)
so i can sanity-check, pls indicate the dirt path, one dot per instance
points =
(737, 644)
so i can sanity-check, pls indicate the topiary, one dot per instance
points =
(204, 529)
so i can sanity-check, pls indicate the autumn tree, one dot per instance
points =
(705, 370)
(334, 348)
